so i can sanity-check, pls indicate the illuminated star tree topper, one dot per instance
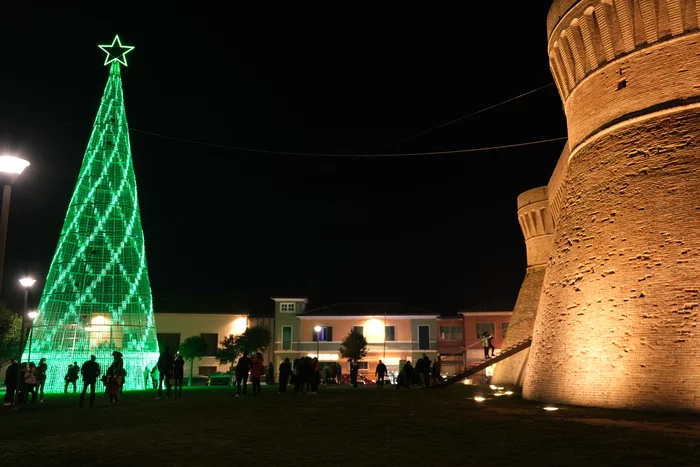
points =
(116, 52)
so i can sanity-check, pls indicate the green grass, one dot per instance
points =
(340, 426)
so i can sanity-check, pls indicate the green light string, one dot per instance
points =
(97, 297)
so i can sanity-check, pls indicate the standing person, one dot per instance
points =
(165, 369)
(41, 378)
(118, 372)
(339, 373)
(285, 371)
(11, 383)
(72, 377)
(255, 373)
(90, 372)
(436, 371)
(315, 375)
(419, 371)
(410, 373)
(485, 343)
(178, 375)
(489, 341)
(30, 380)
(425, 373)
(113, 384)
(380, 372)
(270, 375)
(155, 376)
(146, 376)
(296, 376)
(243, 366)
(354, 369)
(307, 373)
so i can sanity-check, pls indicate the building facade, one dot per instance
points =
(394, 332)
(174, 328)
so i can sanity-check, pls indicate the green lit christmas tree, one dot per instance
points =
(97, 296)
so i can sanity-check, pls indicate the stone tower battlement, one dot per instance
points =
(614, 60)
(536, 224)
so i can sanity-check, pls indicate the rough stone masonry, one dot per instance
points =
(617, 318)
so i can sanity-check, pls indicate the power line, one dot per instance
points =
(470, 115)
(316, 154)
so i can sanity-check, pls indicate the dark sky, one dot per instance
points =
(228, 229)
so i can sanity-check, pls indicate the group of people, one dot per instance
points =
(244, 367)
(23, 380)
(170, 370)
(424, 374)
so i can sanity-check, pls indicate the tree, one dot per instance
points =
(254, 339)
(228, 352)
(354, 346)
(10, 327)
(191, 348)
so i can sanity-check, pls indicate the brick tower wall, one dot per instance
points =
(618, 316)
(537, 226)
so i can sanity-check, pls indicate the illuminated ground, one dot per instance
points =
(340, 427)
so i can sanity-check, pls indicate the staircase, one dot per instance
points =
(522, 345)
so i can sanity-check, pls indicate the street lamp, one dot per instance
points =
(318, 330)
(11, 167)
(32, 316)
(26, 282)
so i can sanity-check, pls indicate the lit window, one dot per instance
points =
(287, 307)
(451, 333)
(363, 365)
(390, 333)
(324, 335)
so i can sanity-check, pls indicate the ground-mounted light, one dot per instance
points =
(479, 399)
(550, 408)
(497, 394)
(508, 393)
(493, 387)
(500, 388)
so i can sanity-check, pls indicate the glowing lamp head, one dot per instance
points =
(479, 399)
(12, 165)
(550, 408)
(508, 393)
(33, 314)
(27, 282)
(317, 328)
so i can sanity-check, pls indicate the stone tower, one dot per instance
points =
(537, 226)
(617, 323)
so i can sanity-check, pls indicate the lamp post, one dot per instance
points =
(10, 167)
(318, 340)
(32, 316)
(26, 282)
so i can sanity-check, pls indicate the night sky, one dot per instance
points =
(227, 229)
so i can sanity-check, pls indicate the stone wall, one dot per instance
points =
(617, 322)
(537, 226)
(617, 319)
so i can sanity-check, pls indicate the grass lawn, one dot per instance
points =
(339, 426)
